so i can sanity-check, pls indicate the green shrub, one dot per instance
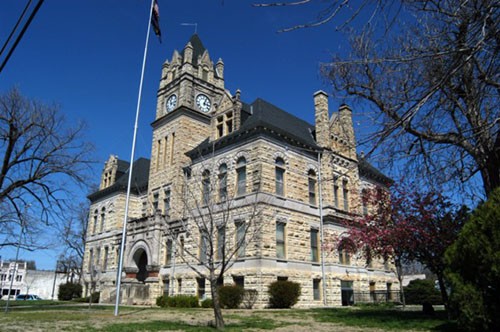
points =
(207, 303)
(95, 298)
(69, 291)
(182, 301)
(230, 296)
(422, 291)
(283, 294)
(249, 298)
(161, 301)
(474, 269)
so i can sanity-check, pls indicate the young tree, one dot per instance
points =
(408, 226)
(40, 154)
(73, 231)
(429, 70)
(217, 228)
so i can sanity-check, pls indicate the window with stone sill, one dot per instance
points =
(205, 182)
(314, 245)
(240, 238)
(241, 176)
(280, 240)
(312, 186)
(222, 182)
(280, 176)
(316, 289)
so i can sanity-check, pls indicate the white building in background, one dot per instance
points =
(43, 283)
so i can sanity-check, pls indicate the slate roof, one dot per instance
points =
(198, 49)
(140, 179)
(263, 117)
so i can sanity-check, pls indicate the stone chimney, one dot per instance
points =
(321, 118)
(347, 129)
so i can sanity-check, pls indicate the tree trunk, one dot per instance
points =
(219, 320)
(399, 272)
(444, 293)
(491, 172)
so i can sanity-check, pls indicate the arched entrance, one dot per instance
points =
(141, 260)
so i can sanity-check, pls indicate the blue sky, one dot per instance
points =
(86, 56)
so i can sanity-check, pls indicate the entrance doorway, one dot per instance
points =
(141, 260)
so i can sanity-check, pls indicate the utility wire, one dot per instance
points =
(20, 36)
(15, 27)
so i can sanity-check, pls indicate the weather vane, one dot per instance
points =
(192, 24)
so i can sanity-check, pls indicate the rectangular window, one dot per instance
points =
(239, 281)
(221, 239)
(158, 154)
(312, 187)
(179, 286)
(103, 219)
(316, 289)
(220, 127)
(346, 195)
(98, 257)
(280, 240)
(155, 202)
(165, 148)
(240, 239)
(203, 249)
(347, 292)
(336, 191)
(201, 288)
(172, 142)
(168, 259)
(280, 180)
(166, 286)
(95, 222)
(105, 261)
(314, 245)
(242, 180)
(344, 257)
(166, 202)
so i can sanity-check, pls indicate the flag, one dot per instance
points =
(155, 19)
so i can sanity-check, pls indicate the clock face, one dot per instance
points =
(203, 103)
(171, 103)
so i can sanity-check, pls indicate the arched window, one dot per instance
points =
(205, 182)
(96, 216)
(223, 182)
(241, 175)
(345, 248)
(103, 218)
(280, 176)
(312, 186)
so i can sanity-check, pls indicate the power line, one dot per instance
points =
(21, 34)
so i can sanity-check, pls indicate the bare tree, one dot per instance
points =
(429, 72)
(215, 228)
(73, 231)
(41, 156)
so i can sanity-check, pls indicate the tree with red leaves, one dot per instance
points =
(407, 225)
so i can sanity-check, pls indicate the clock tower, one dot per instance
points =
(190, 94)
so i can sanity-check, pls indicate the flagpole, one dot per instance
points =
(132, 156)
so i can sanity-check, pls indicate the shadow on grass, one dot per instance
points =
(387, 319)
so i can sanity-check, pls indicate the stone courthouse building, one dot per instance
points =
(209, 148)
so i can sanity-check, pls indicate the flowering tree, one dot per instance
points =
(406, 226)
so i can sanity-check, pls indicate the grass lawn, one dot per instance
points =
(38, 316)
